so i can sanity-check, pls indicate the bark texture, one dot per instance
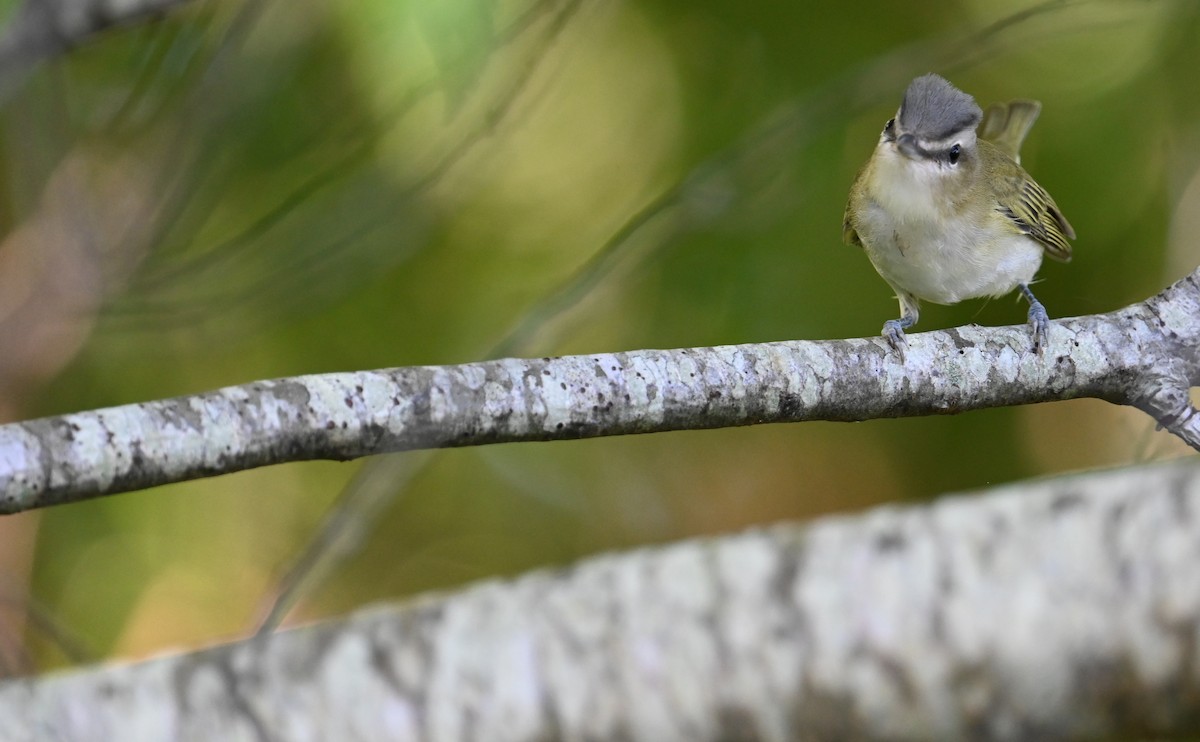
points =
(1144, 355)
(1064, 609)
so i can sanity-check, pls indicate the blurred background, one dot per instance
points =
(229, 191)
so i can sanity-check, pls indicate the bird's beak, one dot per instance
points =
(909, 147)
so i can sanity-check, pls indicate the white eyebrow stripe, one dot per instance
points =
(965, 138)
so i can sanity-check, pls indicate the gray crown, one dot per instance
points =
(933, 109)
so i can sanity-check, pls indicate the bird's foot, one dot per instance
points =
(1039, 322)
(893, 332)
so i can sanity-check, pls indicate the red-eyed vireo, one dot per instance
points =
(944, 210)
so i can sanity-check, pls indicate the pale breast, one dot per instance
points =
(946, 263)
(920, 246)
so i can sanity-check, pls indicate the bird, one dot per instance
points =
(944, 210)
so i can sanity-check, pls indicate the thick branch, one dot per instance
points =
(1065, 609)
(1143, 355)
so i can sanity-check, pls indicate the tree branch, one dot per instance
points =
(1062, 609)
(1144, 355)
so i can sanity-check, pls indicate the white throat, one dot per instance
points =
(912, 189)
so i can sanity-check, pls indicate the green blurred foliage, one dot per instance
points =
(313, 186)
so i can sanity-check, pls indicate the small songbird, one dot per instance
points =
(944, 210)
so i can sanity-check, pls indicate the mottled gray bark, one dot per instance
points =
(1068, 608)
(1144, 355)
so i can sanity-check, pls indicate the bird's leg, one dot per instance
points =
(1038, 319)
(893, 329)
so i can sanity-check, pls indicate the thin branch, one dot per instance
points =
(1144, 355)
(1059, 610)
(705, 192)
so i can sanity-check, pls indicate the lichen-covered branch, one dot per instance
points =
(1144, 355)
(1064, 609)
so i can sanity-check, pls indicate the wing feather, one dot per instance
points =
(1034, 213)
(849, 234)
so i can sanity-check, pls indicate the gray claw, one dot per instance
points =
(893, 332)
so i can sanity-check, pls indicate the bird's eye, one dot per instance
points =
(955, 151)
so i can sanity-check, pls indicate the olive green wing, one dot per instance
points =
(1034, 213)
(849, 234)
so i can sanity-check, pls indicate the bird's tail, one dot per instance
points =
(1006, 124)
